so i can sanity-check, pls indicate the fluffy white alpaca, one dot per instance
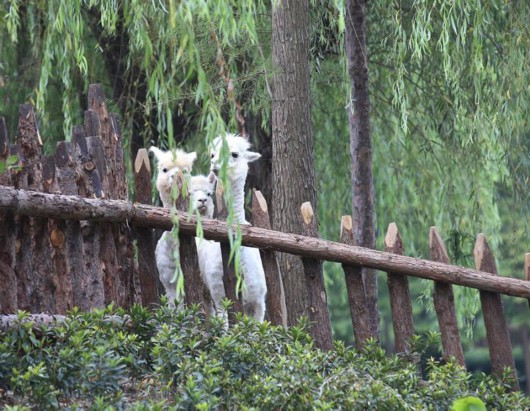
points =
(170, 164)
(202, 190)
(255, 288)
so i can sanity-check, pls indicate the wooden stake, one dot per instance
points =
(444, 304)
(147, 271)
(318, 309)
(400, 303)
(497, 332)
(276, 308)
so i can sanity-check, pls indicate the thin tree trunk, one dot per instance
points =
(361, 146)
(293, 163)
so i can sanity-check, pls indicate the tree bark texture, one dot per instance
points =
(361, 146)
(356, 292)
(400, 302)
(444, 304)
(26, 203)
(147, 271)
(276, 308)
(292, 146)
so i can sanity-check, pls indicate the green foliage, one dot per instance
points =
(468, 404)
(144, 360)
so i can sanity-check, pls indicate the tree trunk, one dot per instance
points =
(361, 146)
(292, 145)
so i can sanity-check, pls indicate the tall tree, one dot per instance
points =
(361, 146)
(293, 170)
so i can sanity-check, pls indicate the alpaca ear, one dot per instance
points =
(156, 151)
(211, 177)
(192, 157)
(252, 156)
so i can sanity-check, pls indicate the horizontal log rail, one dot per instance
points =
(59, 206)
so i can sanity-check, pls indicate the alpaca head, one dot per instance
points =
(202, 189)
(170, 164)
(238, 156)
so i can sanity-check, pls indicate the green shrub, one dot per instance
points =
(144, 360)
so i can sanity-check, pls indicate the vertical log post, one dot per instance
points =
(8, 233)
(189, 260)
(147, 271)
(444, 304)
(66, 237)
(37, 273)
(497, 332)
(276, 309)
(318, 310)
(356, 292)
(92, 291)
(398, 288)
(527, 276)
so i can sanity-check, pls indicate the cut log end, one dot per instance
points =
(484, 259)
(346, 226)
(142, 160)
(307, 212)
(393, 241)
(260, 201)
(437, 247)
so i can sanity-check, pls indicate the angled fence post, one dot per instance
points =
(444, 304)
(276, 308)
(400, 303)
(318, 310)
(498, 335)
(355, 286)
(8, 235)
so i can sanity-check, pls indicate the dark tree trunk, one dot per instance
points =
(361, 146)
(292, 146)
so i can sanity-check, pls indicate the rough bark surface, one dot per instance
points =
(361, 146)
(497, 333)
(444, 304)
(276, 308)
(400, 302)
(292, 145)
(320, 326)
(147, 271)
(25, 202)
(8, 279)
(356, 291)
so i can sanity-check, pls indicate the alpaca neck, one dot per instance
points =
(238, 191)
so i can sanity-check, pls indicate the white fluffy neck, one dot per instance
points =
(238, 191)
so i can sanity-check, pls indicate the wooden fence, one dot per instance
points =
(70, 237)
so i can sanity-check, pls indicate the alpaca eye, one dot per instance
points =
(213, 155)
(235, 155)
(209, 194)
(164, 170)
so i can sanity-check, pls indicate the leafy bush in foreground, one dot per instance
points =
(175, 359)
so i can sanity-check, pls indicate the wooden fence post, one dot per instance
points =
(400, 303)
(444, 304)
(497, 332)
(276, 308)
(189, 260)
(90, 291)
(147, 271)
(320, 327)
(66, 236)
(8, 235)
(356, 292)
(527, 276)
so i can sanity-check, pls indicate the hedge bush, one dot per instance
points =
(169, 359)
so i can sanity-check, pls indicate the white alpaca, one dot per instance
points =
(209, 252)
(255, 287)
(170, 164)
